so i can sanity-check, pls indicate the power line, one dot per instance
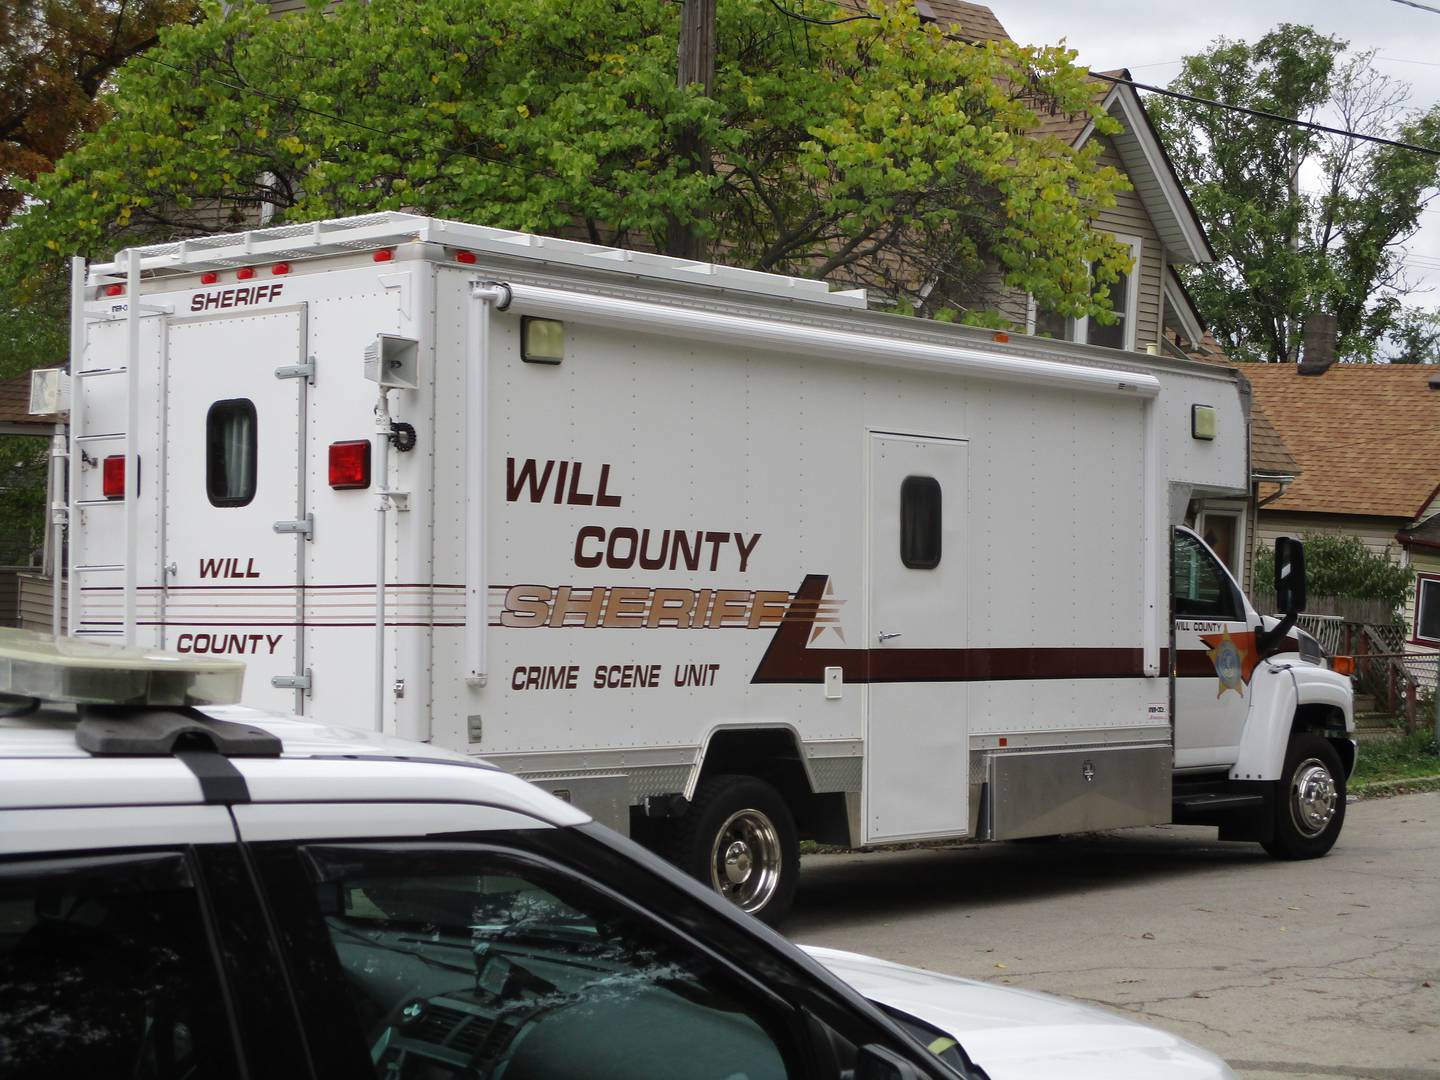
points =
(1262, 114)
(1422, 7)
(817, 22)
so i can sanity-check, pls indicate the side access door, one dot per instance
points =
(916, 781)
(234, 499)
(1214, 657)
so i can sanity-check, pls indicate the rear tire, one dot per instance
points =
(739, 838)
(1309, 799)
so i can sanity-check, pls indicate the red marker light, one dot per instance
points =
(1000, 336)
(209, 277)
(350, 465)
(465, 256)
(114, 290)
(245, 273)
(112, 477)
(280, 268)
(383, 255)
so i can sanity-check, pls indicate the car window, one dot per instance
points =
(1201, 590)
(106, 971)
(469, 962)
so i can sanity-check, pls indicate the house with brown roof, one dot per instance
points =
(1366, 440)
(1421, 543)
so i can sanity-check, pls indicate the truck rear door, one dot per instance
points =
(234, 504)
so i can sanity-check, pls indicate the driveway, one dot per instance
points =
(1326, 968)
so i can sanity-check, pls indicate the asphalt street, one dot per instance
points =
(1325, 968)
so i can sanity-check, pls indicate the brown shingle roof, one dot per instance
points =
(1269, 456)
(15, 404)
(972, 22)
(1367, 436)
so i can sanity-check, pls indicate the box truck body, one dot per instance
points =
(645, 531)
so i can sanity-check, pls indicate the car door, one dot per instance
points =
(474, 944)
(111, 963)
(1214, 656)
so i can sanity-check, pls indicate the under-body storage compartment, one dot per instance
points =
(1066, 791)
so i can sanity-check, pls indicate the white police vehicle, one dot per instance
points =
(191, 892)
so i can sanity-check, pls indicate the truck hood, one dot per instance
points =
(1020, 1035)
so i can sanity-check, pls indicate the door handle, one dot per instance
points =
(884, 637)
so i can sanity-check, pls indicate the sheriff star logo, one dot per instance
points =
(1234, 657)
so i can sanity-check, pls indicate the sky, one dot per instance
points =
(1149, 39)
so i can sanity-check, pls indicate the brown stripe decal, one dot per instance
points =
(787, 660)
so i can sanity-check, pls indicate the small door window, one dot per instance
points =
(230, 449)
(1199, 588)
(920, 522)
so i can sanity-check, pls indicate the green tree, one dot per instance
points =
(55, 59)
(1283, 250)
(1415, 338)
(877, 152)
(1343, 566)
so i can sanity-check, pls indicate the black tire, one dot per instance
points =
(738, 837)
(1309, 800)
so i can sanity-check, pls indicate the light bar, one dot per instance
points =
(34, 665)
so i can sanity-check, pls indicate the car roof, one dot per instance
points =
(41, 765)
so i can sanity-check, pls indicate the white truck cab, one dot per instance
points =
(726, 559)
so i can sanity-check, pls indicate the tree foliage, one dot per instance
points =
(877, 152)
(55, 58)
(1415, 338)
(1329, 241)
(1343, 566)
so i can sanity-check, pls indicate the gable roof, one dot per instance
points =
(1426, 534)
(1138, 143)
(1366, 436)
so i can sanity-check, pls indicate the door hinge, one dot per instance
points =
(292, 682)
(304, 526)
(304, 371)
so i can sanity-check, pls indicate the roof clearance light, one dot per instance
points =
(112, 477)
(36, 665)
(245, 273)
(465, 256)
(384, 255)
(1000, 337)
(210, 277)
(350, 465)
(280, 268)
(114, 290)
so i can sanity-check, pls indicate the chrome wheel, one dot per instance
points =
(746, 860)
(1313, 797)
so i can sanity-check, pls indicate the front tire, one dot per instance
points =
(739, 837)
(1309, 800)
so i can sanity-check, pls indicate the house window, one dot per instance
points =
(1223, 528)
(1117, 335)
(1427, 611)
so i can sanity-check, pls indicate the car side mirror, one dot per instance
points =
(1289, 574)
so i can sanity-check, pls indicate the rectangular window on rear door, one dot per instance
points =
(230, 448)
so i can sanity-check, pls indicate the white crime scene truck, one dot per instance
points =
(722, 557)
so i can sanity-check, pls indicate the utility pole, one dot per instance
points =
(696, 65)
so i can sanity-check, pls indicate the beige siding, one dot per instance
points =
(1128, 218)
(1378, 534)
(34, 602)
